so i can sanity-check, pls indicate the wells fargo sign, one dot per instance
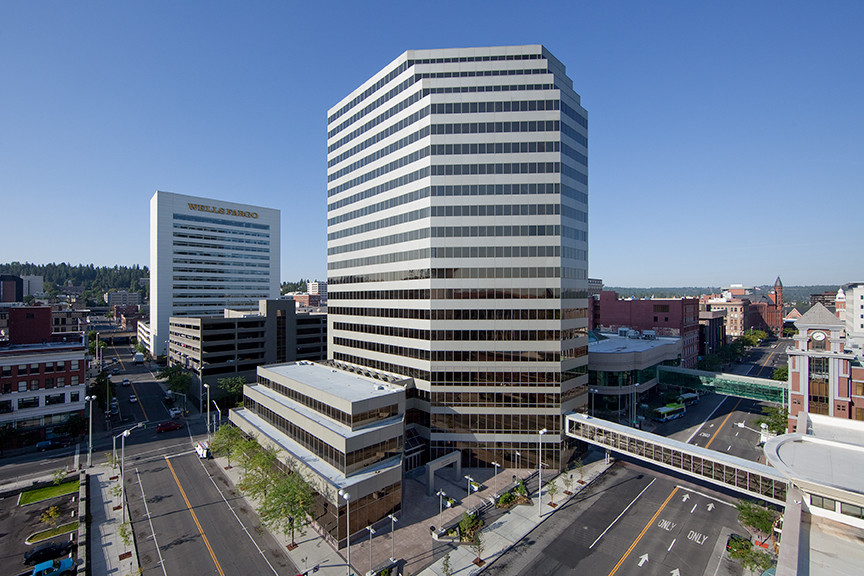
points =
(226, 211)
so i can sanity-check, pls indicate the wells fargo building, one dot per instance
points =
(208, 255)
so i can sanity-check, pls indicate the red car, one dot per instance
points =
(168, 426)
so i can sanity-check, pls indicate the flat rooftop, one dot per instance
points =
(331, 381)
(831, 454)
(614, 344)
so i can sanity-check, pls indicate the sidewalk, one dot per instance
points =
(514, 525)
(108, 553)
(416, 551)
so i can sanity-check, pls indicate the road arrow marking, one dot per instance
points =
(686, 497)
(710, 506)
(675, 572)
(643, 559)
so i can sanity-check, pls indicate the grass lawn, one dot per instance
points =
(40, 494)
(56, 531)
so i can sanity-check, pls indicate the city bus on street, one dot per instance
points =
(688, 398)
(669, 412)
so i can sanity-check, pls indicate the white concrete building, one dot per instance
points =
(457, 245)
(207, 255)
(854, 318)
(338, 426)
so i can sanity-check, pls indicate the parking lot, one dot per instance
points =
(19, 522)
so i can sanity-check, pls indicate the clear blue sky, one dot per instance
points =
(726, 139)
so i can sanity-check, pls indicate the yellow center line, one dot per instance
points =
(765, 365)
(645, 529)
(195, 518)
(723, 423)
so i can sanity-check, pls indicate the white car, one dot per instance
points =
(133, 398)
(174, 412)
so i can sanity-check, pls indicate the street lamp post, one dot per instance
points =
(470, 480)
(347, 498)
(540, 472)
(497, 466)
(393, 521)
(593, 391)
(371, 532)
(123, 472)
(441, 494)
(518, 454)
(90, 400)
(207, 386)
(215, 405)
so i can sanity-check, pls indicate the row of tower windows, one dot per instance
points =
(448, 294)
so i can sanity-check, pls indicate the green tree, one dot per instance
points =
(258, 476)
(178, 380)
(551, 489)
(755, 516)
(781, 373)
(74, 425)
(478, 546)
(227, 442)
(776, 417)
(287, 504)
(446, 569)
(233, 386)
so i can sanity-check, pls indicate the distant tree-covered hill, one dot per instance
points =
(791, 294)
(95, 280)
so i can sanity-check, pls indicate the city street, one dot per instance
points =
(187, 522)
(633, 520)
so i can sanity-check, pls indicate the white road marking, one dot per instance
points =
(672, 544)
(622, 513)
(152, 531)
(694, 508)
(706, 496)
(238, 518)
(706, 419)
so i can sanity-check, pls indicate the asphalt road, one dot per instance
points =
(632, 521)
(764, 359)
(192, 523)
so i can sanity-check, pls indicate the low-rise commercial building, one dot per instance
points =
(42, 377)
(236, 343)
(823, 522)
(674, 317)
(622, 369)
(341, 430)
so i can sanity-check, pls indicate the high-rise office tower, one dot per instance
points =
(207, 255)
(457, 205)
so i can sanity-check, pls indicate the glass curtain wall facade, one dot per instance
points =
(457, 245)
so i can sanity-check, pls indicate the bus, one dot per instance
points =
(688, 398)
(669, 412)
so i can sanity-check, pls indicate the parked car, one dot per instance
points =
(48, 551)
(125, 382)
(174, 412)
(168, 426)
(48, 445)
(133, 398)
(57, 567)
(116, 371)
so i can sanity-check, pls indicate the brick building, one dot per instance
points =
(824, 376)
(675, 317)
(42, 377)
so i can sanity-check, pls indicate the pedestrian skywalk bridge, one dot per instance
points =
(751, 478)
(761, 389)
